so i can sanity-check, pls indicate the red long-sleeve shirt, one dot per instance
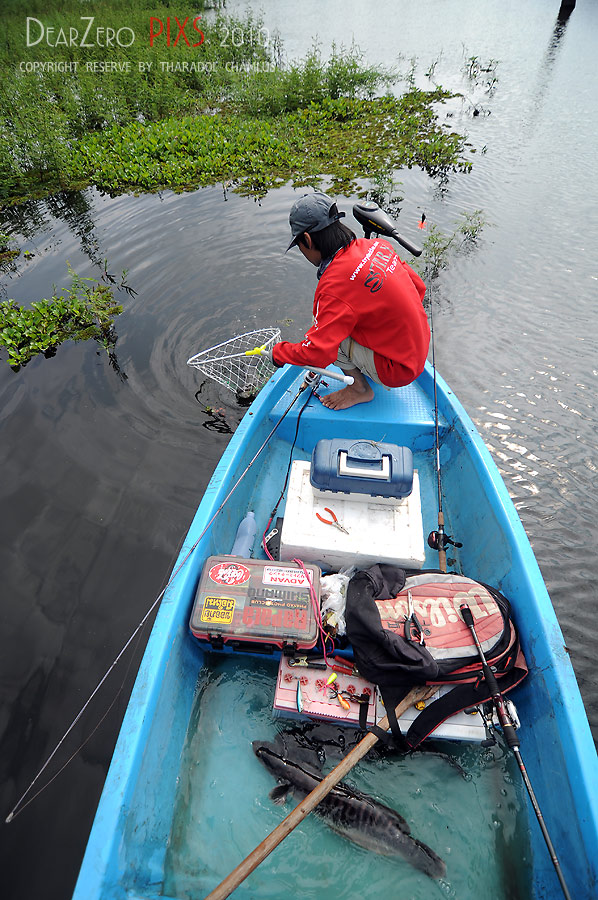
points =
(371, 295)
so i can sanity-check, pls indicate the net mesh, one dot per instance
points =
(227, 364)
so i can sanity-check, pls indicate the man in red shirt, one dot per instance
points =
(368, 313)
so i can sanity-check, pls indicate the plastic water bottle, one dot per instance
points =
(245, 536)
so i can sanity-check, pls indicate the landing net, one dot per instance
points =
(228, 364)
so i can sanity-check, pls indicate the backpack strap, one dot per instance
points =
(391, 698)
(459, 698)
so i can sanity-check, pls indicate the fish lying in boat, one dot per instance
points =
(356, 816)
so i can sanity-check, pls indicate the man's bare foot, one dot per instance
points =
(348, 396)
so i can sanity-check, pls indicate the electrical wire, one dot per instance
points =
(288, 472)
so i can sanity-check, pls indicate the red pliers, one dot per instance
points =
(333, 521)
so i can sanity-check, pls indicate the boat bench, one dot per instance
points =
(407, 410)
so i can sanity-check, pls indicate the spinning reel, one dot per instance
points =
(438, 540)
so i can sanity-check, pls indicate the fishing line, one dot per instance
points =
(20, 805)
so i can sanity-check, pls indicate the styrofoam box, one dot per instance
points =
(381, 529)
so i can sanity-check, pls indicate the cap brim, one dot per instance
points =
(320, 227)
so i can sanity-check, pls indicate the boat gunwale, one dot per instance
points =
(574, 732)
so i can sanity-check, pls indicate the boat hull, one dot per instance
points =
(126, 851)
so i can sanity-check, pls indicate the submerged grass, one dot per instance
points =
(229, 110)
(440, 247)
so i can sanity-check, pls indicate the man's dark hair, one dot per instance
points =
(330, 239)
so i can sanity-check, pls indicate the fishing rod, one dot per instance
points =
(513, 742)
(375, 220)
(438, 540)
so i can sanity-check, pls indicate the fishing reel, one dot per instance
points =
(438, 540)
(311, 379)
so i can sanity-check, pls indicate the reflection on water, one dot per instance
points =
(102, 476)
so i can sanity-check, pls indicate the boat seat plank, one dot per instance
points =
(409, 405)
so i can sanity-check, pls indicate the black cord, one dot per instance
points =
(286, 479)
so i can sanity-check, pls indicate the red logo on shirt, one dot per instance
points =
(379, 267)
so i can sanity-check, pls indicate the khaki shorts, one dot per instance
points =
(352, 355)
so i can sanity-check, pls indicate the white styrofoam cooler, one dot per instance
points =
(380, 529)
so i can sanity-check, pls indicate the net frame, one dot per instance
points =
(228, 364)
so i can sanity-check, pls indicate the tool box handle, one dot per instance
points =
(382, 472)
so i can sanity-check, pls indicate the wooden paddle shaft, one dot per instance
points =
(251, 862)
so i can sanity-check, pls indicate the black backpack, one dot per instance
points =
(434, 646)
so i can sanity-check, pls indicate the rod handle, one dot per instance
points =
(505, 722)
(467, 616)
(346, 379)
(510, 735)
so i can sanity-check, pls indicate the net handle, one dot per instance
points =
(261, 351)
(346, 379)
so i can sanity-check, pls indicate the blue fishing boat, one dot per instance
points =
(138, 825)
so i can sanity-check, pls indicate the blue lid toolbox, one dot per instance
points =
(255, 605)
(357, 503)
(362, 467)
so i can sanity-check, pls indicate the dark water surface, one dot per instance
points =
(101, 475)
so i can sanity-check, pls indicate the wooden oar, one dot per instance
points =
(251, 862)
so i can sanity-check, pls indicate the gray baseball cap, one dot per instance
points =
(312, 212)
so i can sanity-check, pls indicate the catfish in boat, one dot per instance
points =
(355, 815)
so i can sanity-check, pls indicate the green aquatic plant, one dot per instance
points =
(7, 253)
(477, 70)
(439, 246)
(83, 311)
(281, 90)
(233, 111)
(334, 138)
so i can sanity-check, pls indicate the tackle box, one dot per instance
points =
(255, 605)
(320, 703)
(317, 700)
(377, 529)
(361, 467)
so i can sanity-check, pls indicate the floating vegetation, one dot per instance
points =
(7, 253)
(84, 311)
(126, 118)
(335, 138)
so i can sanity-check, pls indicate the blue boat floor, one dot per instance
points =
(410, 406)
